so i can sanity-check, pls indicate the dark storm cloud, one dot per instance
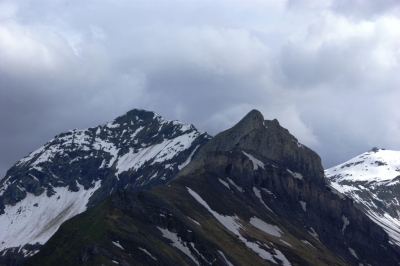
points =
(328, 78)
(365, 9)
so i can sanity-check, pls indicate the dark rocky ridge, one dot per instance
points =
(266, 138)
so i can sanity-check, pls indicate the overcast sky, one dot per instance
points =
(328, 70)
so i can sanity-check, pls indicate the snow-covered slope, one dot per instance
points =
(36, 218)
(79, 168)
(372, 179)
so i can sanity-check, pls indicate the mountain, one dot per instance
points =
(372, 180)
(80, 168)
(252, 195)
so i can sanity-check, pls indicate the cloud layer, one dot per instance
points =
(327, 70)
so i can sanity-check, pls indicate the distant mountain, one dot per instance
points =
(80, 168)
(252, 195)
(372, 180)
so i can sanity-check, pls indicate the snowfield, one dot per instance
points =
(35, 219)
(383, 165)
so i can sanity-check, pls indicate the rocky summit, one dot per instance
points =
(252, 195)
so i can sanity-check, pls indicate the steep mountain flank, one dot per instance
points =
(79, 168)
(372, 180)
(197, 220)
(253, 195)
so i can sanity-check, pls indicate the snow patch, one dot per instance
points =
(345, 222)
(258, 194)
(118, 244)
(313, 233)
(303, 205)
(353, 253)
(111, 125)
(133, 136)
(269, 192)
(224, 183)
(103, 164)
(234, 184)
(295, 175)
(196, 222)
(267, 228)
(284, 242)
(307, 243)
(282, 258)
(178, 243)
(198, 253)
(256, 163)
(344, 189)
(148, 253)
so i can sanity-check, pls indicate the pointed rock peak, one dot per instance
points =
(266, 139)
(254, 116)
(252, 121)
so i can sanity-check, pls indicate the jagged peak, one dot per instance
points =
(253, 119)
(253, 115)
(266, 138)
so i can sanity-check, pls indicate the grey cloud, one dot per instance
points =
(365, 9)
(327, 78)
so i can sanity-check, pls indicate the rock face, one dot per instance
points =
(372, 180)
(335, 221)
(252, 195)
(269, 140)
(79, 168)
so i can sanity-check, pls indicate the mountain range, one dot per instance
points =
(142, 190)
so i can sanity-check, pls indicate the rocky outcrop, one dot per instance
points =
(15, 256)
(266, 138)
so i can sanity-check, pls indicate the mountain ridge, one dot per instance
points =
(135, 151)
(240, 207)
(251, 195)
